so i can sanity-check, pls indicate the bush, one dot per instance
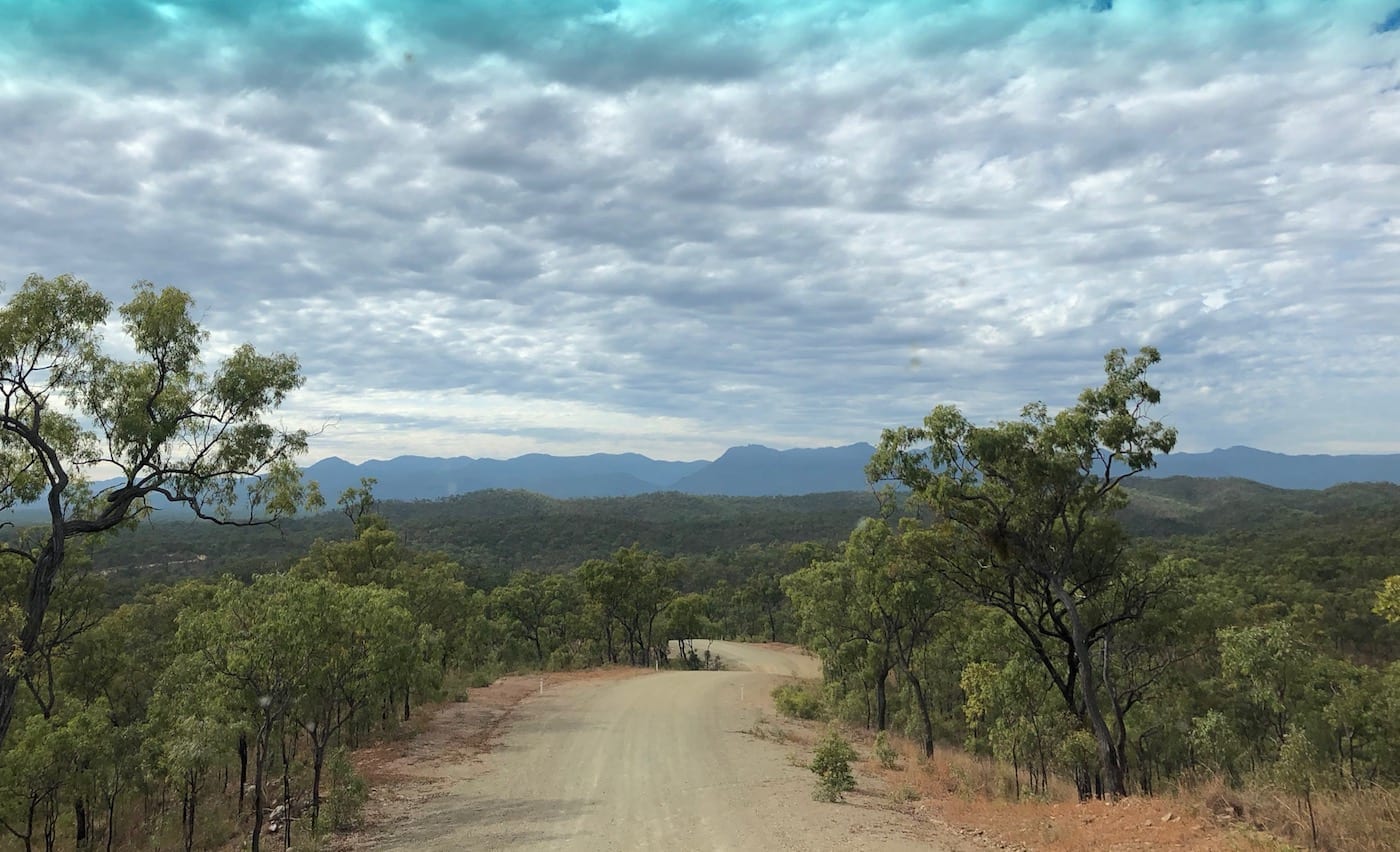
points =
(347, 795)
(832, 764)
(798, 701)
(884, 752)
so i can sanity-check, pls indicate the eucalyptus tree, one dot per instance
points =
(161, 424)
(248, 660)
(1388, 601)
(528, 606)
(1020, 515)
(837, 620)
(872, 611)
(630, 591)
(907, 599)
(366, 638)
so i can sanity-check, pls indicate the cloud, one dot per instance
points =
(686, 224)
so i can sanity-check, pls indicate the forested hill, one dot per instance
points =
(491, 533)
(494, 532)
(1183, 505)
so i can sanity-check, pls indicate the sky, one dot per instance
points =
(489, 228)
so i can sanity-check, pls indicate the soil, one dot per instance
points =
(628, 760)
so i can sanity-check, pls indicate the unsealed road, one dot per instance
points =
(659, 761)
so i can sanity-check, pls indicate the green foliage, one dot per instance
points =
(831, 761)
(1388, 601)
(884, 752)
(1025, 524)
(494, 534)
(348, 792)
(800, 700)
(1215, 746)
(1077, 753)
(1249, 649)
(629, 592)
(173, 432)
(1296, 769)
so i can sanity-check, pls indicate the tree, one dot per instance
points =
(247, 661)
(168, 428)
(839, 623)
(1388, 601)
(1022, 519)
(631, 589)
(531, 609)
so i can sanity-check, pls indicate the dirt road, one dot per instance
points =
(665, 760)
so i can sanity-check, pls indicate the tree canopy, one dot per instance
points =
(1022, 518)
(163, 425)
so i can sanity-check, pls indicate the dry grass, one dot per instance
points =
(977, 797)
(1366, 820)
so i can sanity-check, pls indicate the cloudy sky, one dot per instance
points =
(489, 228)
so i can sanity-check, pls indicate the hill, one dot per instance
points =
(1281, 470)
(491, 533)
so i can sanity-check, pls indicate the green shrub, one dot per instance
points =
(832, 764)
(798, 701)
(884, 752)
(346, 798)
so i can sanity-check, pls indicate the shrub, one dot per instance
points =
(798, 701)
(347, 794)
(832, 764)
(884, 752)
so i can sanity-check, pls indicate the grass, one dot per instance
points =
(1365, 820)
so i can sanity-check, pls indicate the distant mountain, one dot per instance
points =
(419, 478)
(758, 471)
(1279, 470)
(755, 471)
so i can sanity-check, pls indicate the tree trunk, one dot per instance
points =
(259, 759)
(36, 603)
(111, 821)
(286, 795)
(51, 821)
(1110, 758)
(193, 800)
(923, 712)
(881, 704)
(80, 824)
(242, 767)
(318, 760)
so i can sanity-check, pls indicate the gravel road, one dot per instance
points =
(662, 761)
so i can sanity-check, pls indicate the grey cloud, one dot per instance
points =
(782, 254)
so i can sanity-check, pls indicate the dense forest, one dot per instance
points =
(492, 534)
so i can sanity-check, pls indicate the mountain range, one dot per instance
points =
(753, 470)
(749, 471)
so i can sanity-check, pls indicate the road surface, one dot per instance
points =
(665, 760)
